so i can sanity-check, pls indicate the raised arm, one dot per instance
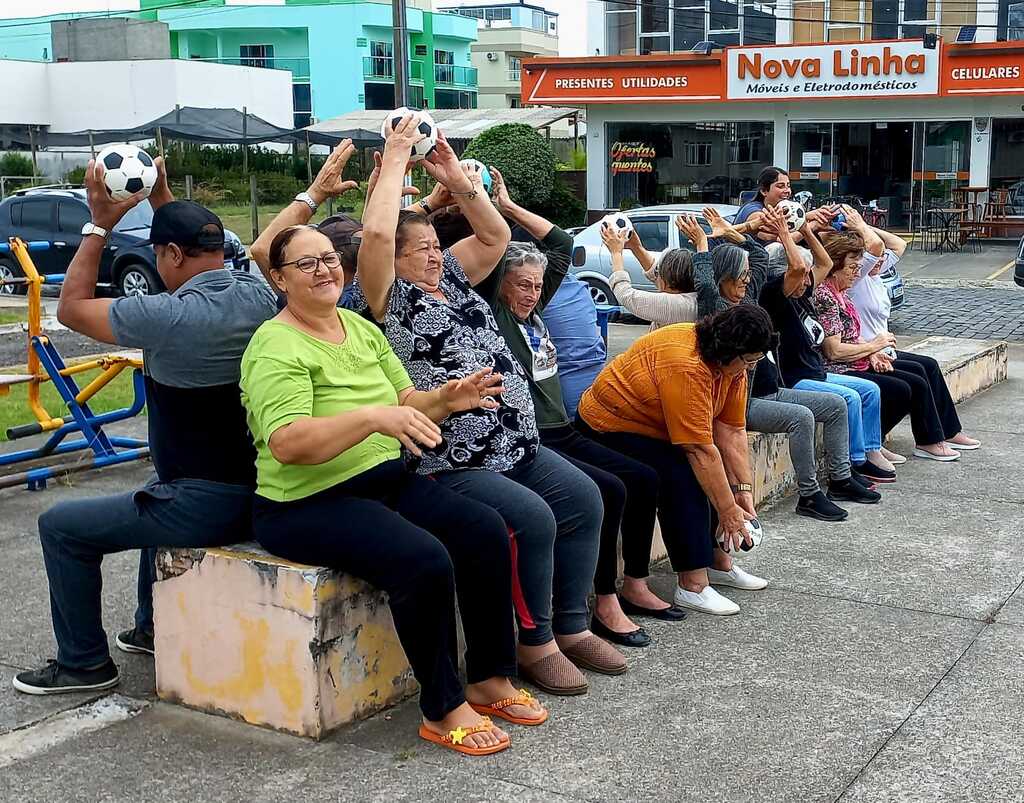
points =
(822, 261)
(643, 256)
(327, 184)
(78, 308)
(481, 253)
(873, 244)
(376, 262)
(709, 299)
(658, 308)
(893, 242)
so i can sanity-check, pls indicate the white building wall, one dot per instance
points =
(26, 95)
(119, 94)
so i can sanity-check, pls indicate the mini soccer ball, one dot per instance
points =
(422, 149)
(795, 214)
(753, 540)
(618, 222)
(481, 168)
(127, 170)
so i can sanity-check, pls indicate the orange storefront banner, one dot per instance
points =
(616, 79)
(995, 68)
(857, 72)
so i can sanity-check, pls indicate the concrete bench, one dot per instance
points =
(303, 649)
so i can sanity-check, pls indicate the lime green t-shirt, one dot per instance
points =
(288, 375)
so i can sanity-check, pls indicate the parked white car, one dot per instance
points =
(657, 230)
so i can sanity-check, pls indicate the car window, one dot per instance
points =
(652, 231)
(36, 215)
(71, 216)
(16, 214)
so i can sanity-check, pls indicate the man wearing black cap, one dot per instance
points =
(192, 339)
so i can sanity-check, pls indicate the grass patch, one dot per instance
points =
(13, 315)
(238, 217)
(14, 410)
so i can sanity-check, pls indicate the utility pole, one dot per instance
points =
(401, 52)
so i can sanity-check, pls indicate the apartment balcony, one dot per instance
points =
(382, 68)
(515, 75)
(451, 75)
(299, 68)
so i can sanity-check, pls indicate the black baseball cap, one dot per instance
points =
(187, 225)
(342, 230)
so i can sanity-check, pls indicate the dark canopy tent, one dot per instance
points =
(210, 126)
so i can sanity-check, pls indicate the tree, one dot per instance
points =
(524, 158)
(15, 164)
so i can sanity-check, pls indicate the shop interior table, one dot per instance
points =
(949, 220)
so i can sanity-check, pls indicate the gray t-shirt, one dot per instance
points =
(192, 342)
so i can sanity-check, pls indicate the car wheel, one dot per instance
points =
(600, 291)
(139, 280)
(8, 270)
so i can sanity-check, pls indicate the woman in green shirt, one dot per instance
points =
(330, 407)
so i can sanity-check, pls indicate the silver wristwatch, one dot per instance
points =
(306, 198)
(89, 228)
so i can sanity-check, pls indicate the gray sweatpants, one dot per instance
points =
(795, 412)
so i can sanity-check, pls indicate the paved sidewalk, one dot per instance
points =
(985, 313)
(882, 664)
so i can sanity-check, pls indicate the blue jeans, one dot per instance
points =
(553, 512)
(76, 535)
(863, 410)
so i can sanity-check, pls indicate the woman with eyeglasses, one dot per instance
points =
(441, 328)
(903, 384)
(736, 277)
(330, 408)
(676, 401)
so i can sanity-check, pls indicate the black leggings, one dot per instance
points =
(687, 519)
(422, 544)
(629, 490)
(916, 386)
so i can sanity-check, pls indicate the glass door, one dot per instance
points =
(942, 158)
(810, 160)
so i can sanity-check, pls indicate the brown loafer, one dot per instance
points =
(555, 674)
(597, 655)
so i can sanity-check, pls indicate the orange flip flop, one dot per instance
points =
(497, 709)
(453, 739)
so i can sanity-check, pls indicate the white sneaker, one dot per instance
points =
(736, 578)
(707, 601)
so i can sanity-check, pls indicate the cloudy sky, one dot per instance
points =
(571, 39)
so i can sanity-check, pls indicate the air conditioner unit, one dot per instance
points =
(492, 56)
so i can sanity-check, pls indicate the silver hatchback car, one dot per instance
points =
(656, 227)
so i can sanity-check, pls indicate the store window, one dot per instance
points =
(706, 162)
(1011, 20)
(302, 105)
(256, 55)
(620, 22)
(1007, 172)
(677, 26)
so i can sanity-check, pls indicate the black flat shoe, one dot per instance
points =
(670, 614)
(634, 638)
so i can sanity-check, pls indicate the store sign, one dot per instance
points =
(632, 157)
(676, 79)
(865, 69)
(998, 70)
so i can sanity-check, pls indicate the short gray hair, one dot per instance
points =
(518, 254)
(728, 262)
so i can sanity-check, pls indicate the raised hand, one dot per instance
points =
(371, 182)
(476, 390)
(328, 182)
(691, 229)
(774, 221)
(614, 239)
(502, 200)
(106, 212)
(854, 220)
(720, 227)
(403, 136)
(443, 166)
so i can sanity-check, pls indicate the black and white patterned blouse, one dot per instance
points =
(438, 341)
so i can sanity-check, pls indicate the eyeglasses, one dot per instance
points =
(752, 363)
(310, 264)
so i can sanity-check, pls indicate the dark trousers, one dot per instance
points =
(423, 544)
(629, 490)
(76, 535)
(686, 516)
(910, 389)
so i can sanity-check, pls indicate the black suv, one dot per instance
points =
(57, 216)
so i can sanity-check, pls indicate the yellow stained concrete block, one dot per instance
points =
(295, 648)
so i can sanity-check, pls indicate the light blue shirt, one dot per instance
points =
(571, 318)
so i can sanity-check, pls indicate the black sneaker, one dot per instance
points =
(819, 507)
(861, 480)
(849, 490)
(875, 473)
(57, 679)
(135, 641)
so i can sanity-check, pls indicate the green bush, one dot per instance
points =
(563, 209)
(76, 176)
(524, 158)
(16, 164)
